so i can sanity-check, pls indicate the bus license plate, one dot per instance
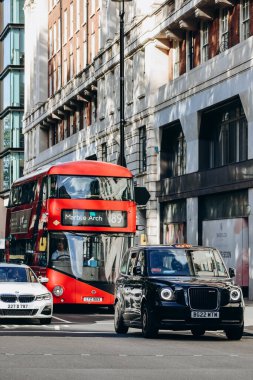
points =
(205, 314)
(17, 306)
(93, 299)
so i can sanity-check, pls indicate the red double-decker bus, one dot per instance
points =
(70, 222)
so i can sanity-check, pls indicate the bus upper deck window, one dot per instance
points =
(53, 186)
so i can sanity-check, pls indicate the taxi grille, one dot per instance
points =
(12, 298)
(18, 313)
(203, 298)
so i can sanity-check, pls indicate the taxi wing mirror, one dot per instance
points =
(231, 272)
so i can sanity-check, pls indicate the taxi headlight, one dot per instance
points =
(43, 297)
(235, 295)
(58, 291)
(167, 294)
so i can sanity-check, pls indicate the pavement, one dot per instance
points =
(248, 317)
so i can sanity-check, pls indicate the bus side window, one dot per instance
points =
(43, 191)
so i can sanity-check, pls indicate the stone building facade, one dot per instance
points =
(188, 109)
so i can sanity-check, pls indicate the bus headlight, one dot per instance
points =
(58, 291)
(235, 295)
(167, 294)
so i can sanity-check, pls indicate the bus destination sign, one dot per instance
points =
(97, 218)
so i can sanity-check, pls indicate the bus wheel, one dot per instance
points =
(45, 321)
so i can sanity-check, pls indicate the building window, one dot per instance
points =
(245, 20)
(50, 43)
(142, 149)
(12, 169)
(93, 42)
(176, 59)
(173, 151)
(129, 81)
(13, 47)
(71, 65)
(65, 34)
(223, 136)
(59, 35)
(84, 11)
(104, 152)
(65, 71)
(71, 20)
(77, 14)
(77, 60)
(59, 75)
(11, 131)
(85, 54)
(92, 7)
(204, 42)
(55, 39)
(13, 90)
(189, 51)
(224, 30)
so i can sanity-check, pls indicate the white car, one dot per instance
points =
(22, 294)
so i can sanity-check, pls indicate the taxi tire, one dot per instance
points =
(149, 328)
(119, 326)
(234, 333)
(198, 332)
(45, 321)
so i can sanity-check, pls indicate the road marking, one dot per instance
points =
(60, 319)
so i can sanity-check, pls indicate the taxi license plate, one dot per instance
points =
(205, 314)
(93, 299)
(17, 306)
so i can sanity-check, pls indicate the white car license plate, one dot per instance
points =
(17, 306)
(205, 314)
(93, 299)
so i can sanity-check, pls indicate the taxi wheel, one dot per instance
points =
(45, 321)
(197, 332)
(149, 328)
(234, 333)
(119, 326)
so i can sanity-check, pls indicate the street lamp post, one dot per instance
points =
(122, 159)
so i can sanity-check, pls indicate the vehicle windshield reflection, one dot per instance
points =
(87, 256)
(180, 262)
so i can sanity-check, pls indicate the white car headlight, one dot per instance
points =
(58, 291)
(167, 294)
(235, 295)
(43, 297)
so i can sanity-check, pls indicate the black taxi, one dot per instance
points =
(178, 287)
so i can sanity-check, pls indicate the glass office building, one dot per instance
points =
(11, 92)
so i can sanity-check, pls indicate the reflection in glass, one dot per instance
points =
(92, 257)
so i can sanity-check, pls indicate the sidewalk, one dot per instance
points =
(248, 317)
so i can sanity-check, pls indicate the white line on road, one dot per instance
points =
(60, 319)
